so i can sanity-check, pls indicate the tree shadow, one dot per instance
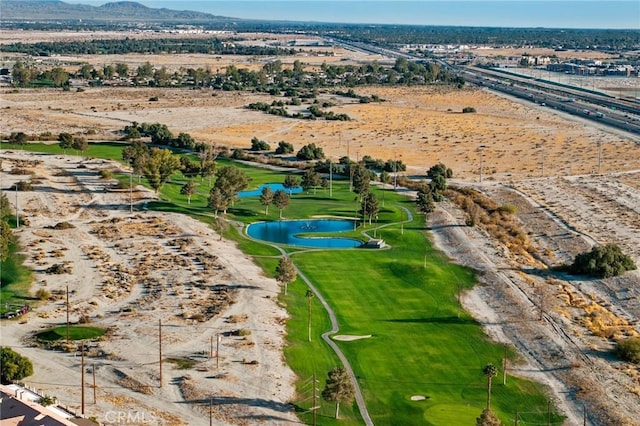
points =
(438, 320)
(283, 407)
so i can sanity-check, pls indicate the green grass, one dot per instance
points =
(15, 282)
(422, 344)
(76, 332)
(181, 363)
(107, 150)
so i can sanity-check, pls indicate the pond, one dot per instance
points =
(288, 232)
(274, 187)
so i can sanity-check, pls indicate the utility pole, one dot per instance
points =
(82, 375)
(481, 158)
(542, 171)
(504, 366)
(330, 179)
(160, 348)
(315, 401)
(218, 351)
(211, 411)
(599, 156)
(93, 372)
(131, 192)
(17, 210)
(67, 314)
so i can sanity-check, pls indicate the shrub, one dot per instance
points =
(259, 145)
(153, 99)
(58, 268)
(14, 366)
(629, 350)
(63, 225)
(42, 294)
(85, 319)
(106, 174)
(23, 185)
(46, 400)
(467, 110)
(602, 262)
(508, 208)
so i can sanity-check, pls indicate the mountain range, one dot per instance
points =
(47, 10)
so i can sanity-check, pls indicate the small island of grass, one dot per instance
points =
(75, 333)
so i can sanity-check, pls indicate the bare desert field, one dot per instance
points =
(418, 125)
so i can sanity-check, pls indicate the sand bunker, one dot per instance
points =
(349, 337)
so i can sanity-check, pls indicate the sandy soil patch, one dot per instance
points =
(128, 272)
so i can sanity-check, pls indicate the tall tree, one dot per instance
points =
(65, 141)
(189, 168)
(281, 200)
(18, 138)
(188, 189)
(208, 162)
(109, 71)
(424, 199)
(339, 388)
(217, 202)
(490, 371)
(266, 198)
(291, 182)
(159, 167)
(230, 180)
(369, 206)
(5, 205)
(22, 74)
(311, 179)
(80, 144)
(309, 296)
(145, 70)
(6, 239)
(59, 76)
(122, 70)
(361, 179)
(136, 155)
(285, 272)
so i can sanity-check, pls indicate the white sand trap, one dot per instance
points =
(349, 337)
(418, 398)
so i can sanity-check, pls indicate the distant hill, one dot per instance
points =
(47, 10)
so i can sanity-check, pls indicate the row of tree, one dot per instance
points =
(273, 77)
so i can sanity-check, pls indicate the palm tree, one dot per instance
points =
(490, 371)
(309, 296)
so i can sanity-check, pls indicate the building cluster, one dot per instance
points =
(595, 68)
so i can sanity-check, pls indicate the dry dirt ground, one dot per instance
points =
(565, 212)
(130, 270)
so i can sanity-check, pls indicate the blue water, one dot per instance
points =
(274, 187)
(287, 231)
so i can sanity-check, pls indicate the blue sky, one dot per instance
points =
(498, 13)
